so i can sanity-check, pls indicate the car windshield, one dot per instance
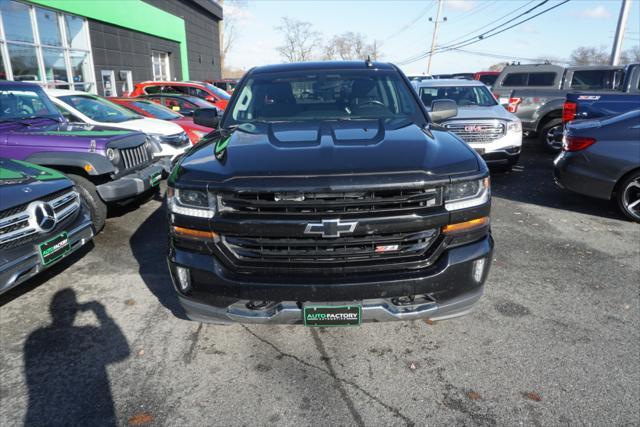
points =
(198, 102)
(21, 104)
(217, 91)
(99, 109)
(326, 95)
(464, 96)
(155, 110)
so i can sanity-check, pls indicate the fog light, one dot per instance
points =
(184, 278)
(478, 269)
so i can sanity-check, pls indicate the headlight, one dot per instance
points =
(113, 155)
(467, 194)
(199, 134)
(196, 203)
(515, 126)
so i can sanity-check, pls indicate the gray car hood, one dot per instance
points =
(476, 112)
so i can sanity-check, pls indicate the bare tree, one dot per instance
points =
(228, 35)
(350, 46)
(632, 55)
(497, 67)
(589, 55)
(300, 40)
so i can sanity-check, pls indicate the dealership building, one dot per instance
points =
(105, 46)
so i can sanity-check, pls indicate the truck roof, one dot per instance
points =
(19, 84)
(321, 65)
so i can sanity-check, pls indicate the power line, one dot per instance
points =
(411, 23)
(450, 44)
(507, 57)
(491, 23)
(483, 36)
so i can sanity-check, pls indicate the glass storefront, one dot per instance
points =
(45, 46)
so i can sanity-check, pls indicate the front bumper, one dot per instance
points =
(505, 150)
(23, 262)
(131, 185)
(449, 288)
(575, 172)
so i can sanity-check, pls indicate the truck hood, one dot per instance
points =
(22, 182)
(56, 135)
(477, 112)
(333, 154)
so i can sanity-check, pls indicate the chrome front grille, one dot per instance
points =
(477, 131)
(134, 157)
(371, 202)
(18, 224)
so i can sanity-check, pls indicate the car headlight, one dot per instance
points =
(514, 126)
(198, 203)
(467, 194)
(113, 154)
(199, 134)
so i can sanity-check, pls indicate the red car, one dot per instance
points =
(206, 91)
(149, 108)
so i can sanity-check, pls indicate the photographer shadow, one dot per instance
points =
(65, 366)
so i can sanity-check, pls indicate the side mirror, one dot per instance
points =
(206, 117)
(210, 99)
(443, 109)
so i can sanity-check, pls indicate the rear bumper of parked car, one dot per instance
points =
(132, 185)
(446, 289)
(575, 172)
(24, 262)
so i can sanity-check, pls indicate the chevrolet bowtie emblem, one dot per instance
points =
(330, 228)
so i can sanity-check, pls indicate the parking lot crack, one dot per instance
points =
(327, 361)
(395, 411)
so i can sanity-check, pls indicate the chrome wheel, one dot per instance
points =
(631, 198)
(554, 137)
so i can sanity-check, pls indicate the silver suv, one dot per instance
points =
(481, 122)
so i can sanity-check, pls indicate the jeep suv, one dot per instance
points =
(327, 197)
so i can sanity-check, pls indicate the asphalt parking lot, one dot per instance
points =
(554, 341)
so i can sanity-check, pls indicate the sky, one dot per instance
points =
(402, 29)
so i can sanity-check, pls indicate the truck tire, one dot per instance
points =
(550, 135)
(89, 194)
(628, 196)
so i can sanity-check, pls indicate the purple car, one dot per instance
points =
(107, 165)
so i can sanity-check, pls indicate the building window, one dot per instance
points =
(45, 46)
(160, 64)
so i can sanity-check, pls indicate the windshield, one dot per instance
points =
(326, 95)
(464, 96)
(99, 109)
(198, 102)
(156, 110)
(20, 104)
(217, 91)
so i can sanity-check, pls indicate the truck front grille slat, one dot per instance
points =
(339, 251)
(317, 203)
(135, 157)
(477, 131)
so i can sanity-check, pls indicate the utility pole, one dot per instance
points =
(620, 29)
(435, 35)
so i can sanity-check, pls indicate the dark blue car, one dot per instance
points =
(601, 158)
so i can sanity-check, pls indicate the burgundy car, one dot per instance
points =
(148, 108)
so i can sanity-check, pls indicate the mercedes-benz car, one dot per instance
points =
(42, 220)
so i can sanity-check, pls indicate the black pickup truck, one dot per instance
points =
(327, 197)
(536, 93)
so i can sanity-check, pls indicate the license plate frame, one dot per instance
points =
(54, 249)
(325, 315)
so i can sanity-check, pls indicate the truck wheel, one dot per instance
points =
(628, 196)
(551, 135)
(89, 194)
